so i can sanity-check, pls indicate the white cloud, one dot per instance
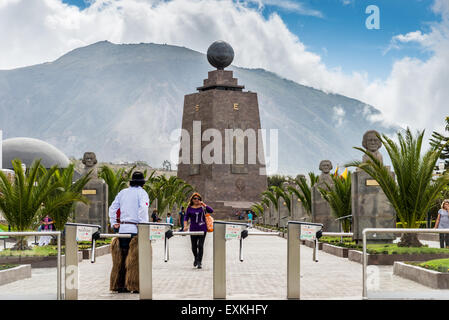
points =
(294, 6)
(415, 93)
(338, 116)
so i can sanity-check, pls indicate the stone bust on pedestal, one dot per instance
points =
(90, 164)
(96, 191)
(372, 144)
(325, 179)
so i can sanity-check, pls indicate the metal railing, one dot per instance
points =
(386, 230)
(57, 234)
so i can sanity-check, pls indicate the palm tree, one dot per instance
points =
(258, 209)
(31, 196)
(64, 177)
(339, 198)
(437, 139)
(304, 193)
(413, 191)
(117, 180)
(272, 195)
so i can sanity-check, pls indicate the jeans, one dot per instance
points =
(197, 246)
(444, 237)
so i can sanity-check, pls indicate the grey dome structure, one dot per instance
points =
(28, 150)
(220, 54)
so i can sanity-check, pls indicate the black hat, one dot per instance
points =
(138, 177)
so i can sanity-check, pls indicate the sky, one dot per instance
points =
(402, 68)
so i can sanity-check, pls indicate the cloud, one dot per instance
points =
(338, 116)
(415, 93)
(293, 6)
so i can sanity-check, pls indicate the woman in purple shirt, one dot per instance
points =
(196, 213)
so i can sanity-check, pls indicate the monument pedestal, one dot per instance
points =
(321, 212)
(96, 212)
(370, 208)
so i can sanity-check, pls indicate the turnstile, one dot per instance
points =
(223, 231)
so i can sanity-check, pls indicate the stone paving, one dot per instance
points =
(261, 276)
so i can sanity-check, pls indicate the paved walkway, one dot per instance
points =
(261, 276)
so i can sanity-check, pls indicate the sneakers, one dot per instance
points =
(199, 265)
(195, 263)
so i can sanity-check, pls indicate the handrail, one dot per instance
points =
(115, 235)
(345, 217)
(58, 258)
(387, 230)
(157, 223)
(234, 223)
(83, 225)
(338, 234)
(309, 223)
(188, 233)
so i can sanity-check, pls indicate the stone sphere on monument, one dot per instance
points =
(220, 54)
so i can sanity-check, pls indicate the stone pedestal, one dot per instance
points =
(370, 208)
(321, 212)
(96, 212)
(221, 104)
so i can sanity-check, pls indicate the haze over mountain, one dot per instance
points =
(124, 101)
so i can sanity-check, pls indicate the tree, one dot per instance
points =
(304, 193)
(117, 180)
(31, 196)
(258, 209)
(440, 139)
(413, 191)
(277, 180)
(339, 198)
(64, 177)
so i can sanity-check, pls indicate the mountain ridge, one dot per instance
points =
(124, 100)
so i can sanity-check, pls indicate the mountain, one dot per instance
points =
(124, 101)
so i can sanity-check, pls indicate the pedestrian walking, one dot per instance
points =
(154, 216)
(250, 219)
(46, 225)
(133, 203)
(182, 214)
(196, 214)
(169, 218)
(443, 223)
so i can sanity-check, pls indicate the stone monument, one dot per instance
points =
(321, 211)
(212, 115)
(370, 206)
(96, 191)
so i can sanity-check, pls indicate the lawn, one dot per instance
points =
(50, 250)
(440, 265)
(381, 248)
(3, 227)
(7, 266)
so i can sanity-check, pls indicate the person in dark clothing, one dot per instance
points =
(182, 214)
(196, 213)
(154, 216)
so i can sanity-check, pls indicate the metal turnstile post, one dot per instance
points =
(145, 262)
(293, 261)
(71, 263)
(219, 261)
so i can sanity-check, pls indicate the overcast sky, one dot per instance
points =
(401, 69)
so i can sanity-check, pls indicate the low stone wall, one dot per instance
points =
(335, 250)
(390, 259)
(14, 274)
(37, 262)
(429, 278)
(429, 236)
(99, 251)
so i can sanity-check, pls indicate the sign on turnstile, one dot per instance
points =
(233, 232)
(84, 233)
(308, 232)
(157, 232)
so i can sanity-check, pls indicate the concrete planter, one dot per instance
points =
(14, 274)
(390, 259)
(311, 244)
(429, 236)
(335, 250)
(99, 251)
(37, 262)
(429, 278)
